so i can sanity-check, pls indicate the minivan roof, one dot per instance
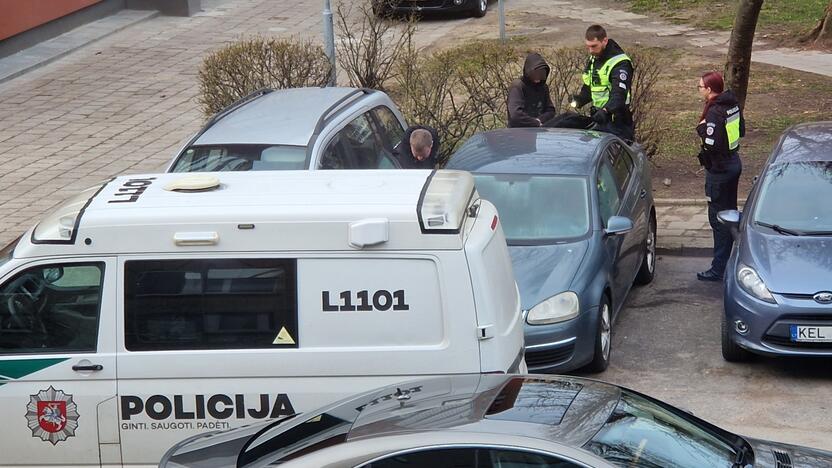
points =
(281, 117)
(286, 210)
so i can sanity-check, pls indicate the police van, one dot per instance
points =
(155, 307)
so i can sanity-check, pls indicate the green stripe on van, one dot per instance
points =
(21, 368)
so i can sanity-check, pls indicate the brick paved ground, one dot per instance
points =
(125, 103)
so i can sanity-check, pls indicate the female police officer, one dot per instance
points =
(720, 129)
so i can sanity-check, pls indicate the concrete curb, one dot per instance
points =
(48, 51)
(687, 201)
(683, 251)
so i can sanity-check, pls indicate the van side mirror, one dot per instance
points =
(618, 225)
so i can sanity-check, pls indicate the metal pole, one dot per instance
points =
(502, 10)
(329, 41)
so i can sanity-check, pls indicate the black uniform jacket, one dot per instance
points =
(529, 104)
(715, 152)
(405, 156)
(621, 79)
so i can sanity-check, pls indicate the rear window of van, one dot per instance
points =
(210, 304)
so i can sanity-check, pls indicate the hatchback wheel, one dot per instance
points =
(648, 264)
(731, 351)
(603, 338)
(480, 9)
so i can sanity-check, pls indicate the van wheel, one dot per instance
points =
(603, 338)
(731, 351)
(480, 9)
(648, 265)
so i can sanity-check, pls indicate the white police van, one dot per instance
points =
(155, 307)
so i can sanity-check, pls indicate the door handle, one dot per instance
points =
(643, 193)
(90, 367)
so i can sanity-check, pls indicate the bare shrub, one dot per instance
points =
(458, 91)
(370, 44)
(245, 66)
(566, 66)
(647, 67)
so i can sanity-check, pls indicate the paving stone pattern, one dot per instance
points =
(126, 103)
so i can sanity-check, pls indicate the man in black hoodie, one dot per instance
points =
(607, 80)
(529, 103)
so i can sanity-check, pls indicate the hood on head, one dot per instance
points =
(534, 61)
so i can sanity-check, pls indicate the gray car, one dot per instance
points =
(490, 421)
(298, 128)
(778, 282)
(577, 210)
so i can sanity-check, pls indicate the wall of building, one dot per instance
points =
(21, 15)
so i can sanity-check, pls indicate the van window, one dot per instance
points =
(51, 309)
(210, 304)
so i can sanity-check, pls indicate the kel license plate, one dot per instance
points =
(816, 334)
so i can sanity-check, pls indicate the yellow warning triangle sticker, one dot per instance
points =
(284, 337)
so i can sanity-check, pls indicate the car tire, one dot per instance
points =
(731, 351)
(648, 265)
(480, 8)
(603, 338)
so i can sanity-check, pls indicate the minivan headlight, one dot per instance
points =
(559, 308)
(751, 283)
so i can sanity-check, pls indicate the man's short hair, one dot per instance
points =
(421, 139)
(596, 32)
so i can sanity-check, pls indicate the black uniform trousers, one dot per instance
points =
(721, 190)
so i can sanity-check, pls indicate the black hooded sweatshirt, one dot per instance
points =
(715, 153)
(529, 104)
(621, 79)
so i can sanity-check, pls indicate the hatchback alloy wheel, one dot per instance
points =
(606, 331)
(481, 8)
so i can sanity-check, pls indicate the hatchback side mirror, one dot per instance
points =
(618, 225)
(729, 217)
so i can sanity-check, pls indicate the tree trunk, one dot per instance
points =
(821, 35)
(738, 65)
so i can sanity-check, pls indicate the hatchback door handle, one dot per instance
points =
(91, 367)
(643, 193)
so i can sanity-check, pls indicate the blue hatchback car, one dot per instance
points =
(778, 283)
(577, 210)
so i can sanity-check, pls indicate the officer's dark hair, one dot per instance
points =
(596, 32)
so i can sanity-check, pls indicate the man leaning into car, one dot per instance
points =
(418, 148)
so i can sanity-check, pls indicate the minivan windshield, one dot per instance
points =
(211, 158)
(794, 198)
(537, 208)
(642, 433)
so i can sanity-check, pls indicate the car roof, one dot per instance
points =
(805, 142)
(531, 150)
(281, 117)
(569, 410)
(250, 211)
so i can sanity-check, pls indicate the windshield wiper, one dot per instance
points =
(781, 229)
(742, 452)
(817, 233)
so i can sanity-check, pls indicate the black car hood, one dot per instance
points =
(770, 453)
(541, 271)
(789, 264)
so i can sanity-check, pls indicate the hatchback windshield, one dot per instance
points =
(795, 197)
(641, 433)
(241, 158)
(537, 209)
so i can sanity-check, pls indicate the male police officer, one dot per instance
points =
(607, 80)
(418, 148)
